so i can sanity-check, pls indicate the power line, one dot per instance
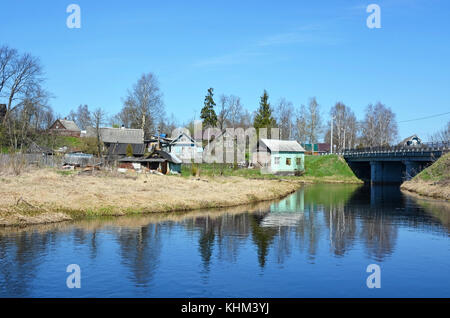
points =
(432, 116)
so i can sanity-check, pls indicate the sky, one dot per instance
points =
(293, 49)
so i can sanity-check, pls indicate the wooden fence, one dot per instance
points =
(41, 160)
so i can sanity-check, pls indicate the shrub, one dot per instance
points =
(129, 151)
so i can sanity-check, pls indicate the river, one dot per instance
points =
(318, 242)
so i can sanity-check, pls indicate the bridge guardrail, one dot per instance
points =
(394, 150)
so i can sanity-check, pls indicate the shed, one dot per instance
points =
(34, 148)
(159, 160)
(275, 156)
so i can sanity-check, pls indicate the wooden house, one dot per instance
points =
(63, 127)
(185, 147)
(286, 157)
(158, 160)
(411, 141)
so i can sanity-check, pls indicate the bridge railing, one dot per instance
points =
(442, 146)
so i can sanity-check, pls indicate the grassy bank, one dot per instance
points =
(330, 168)
(45, 196)
(433, 181)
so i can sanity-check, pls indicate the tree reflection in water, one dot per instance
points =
(337, 216)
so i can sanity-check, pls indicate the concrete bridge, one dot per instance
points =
(393, 164)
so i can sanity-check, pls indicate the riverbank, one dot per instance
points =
(318, 169)
(433, 181)
(33, 197)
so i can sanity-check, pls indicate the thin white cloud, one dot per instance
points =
(309, 34)
(229, 59)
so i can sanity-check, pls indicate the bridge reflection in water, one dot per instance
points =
(316, 225)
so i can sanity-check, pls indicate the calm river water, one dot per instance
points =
(317, 242)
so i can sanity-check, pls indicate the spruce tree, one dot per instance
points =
(263, 117)
(208, 115)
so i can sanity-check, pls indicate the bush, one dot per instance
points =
(129, 151)
(194, 170)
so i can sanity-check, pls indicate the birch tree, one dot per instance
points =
(285, 114)
(314, 125)
(379, 127)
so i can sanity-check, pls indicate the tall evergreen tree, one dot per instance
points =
(263, 117)
(208, 115)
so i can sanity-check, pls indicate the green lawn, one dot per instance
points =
(327, 166)
(317, 168)
(438, 171)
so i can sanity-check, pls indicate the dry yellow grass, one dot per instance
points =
(427, 188)
(45, 196)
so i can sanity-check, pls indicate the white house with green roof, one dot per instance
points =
(274, 156)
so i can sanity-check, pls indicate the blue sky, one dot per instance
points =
(294, 49)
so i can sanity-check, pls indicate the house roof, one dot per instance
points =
(175, 140)
(35, 148)
(410, 138)
(121, 149)
(155, 156)
(275, 145)
(69, 125)
(118, 135)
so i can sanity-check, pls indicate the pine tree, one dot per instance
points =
(263, 117)
(208, 115)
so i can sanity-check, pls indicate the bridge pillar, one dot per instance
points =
(376, 172)
(386, 172)
(412, 168)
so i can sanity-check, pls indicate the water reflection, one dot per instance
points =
(339, 217)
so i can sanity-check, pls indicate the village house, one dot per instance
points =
(285, 157)
(64, 127)
(413, 140)
(110, 135)
(185, 148)
(116, 141)
(158, 160)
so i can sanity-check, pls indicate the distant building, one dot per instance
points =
(117, 151)
(157, 160)
(279, 156)
(109, 135)
(316, 149)
(63, 127)
(34, 148)
(413, 140)
(185, 147)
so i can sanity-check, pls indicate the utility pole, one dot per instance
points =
(331, 140)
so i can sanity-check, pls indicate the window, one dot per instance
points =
(288, 161)
(277, 160)
(298, 161)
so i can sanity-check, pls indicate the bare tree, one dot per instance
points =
(345, 128)
(379, 127)
(285, 112)
(21, 91)
(143, 107)
(300, 124)
(224, 112)
(313, 121)
(81, 116)
(442, 135)
(98, 118)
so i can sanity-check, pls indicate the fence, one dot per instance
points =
(42, 160)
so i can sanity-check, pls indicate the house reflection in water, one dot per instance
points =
(287, 212)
